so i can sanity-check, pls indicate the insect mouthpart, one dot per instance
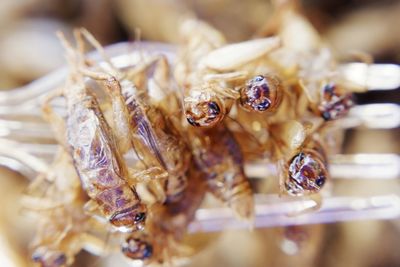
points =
(136, 249)
(130, 219)
(204, 114)
(261, 93)
(306, 174)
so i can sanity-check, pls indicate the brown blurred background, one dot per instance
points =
(29, 49)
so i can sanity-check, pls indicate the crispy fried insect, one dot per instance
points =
(97, 160)
(215, 79)
(300, 241)
(160, 241)
(204, 110)
(328, 94)
(57, 199)
(302, 159)
(306, 173)
(335, 102)
(137, 249)
(261, 93)
(152, 135)
(218, 156)
(204, 97)
(62, 233)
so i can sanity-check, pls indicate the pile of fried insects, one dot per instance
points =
(140, 147)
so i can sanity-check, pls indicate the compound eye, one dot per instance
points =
(264, 105)
(320, 181)
(140, 217)
(214, 108)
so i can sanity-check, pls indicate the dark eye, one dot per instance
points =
(214, 108)
(329, 89)
(192, 121)
(320, 181)
(148, 251)
(263, 105)
(326, 115)
(36, 257)
(140, 217)
(258, 78)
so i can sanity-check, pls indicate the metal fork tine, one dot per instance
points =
(272, 211)
(350, 166)
(17, 127)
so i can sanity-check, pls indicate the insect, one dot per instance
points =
(261, 93)
(62, 230)
(212, 88)
(329, 95)
(335, 102)
(96, 158)
(62, 233)
(152, 135)
(306, 173)
(160, 242)
(218, 156)
(300, 243)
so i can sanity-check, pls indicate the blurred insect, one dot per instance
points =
(328, 93)
(152, 135)
(62, 233)
(335, 102)
(218, 156)
(160, 243)
(57, 200)
(96, 158)
(301, 244)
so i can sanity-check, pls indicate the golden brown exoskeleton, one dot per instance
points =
(214, 80)
(307, 171)
(93, 148)
(62, 232)
(57, 199)
(160, 242)
(218, 156)
(152, 135)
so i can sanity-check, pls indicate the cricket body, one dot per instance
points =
(159, 243)
(99, 163)
(95, 155)
(62, 229)
(162, 140)
(218, 156)
(203, 106)
(62, 234)
(219, 78)
(151, 134)
(307, 172)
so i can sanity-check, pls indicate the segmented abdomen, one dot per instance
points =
(221, 161)
(97, 159)
(159, 142)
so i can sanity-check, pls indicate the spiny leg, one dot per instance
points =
(56, 121)
(145, 176)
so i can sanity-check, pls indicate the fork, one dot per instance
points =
(27, 146)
